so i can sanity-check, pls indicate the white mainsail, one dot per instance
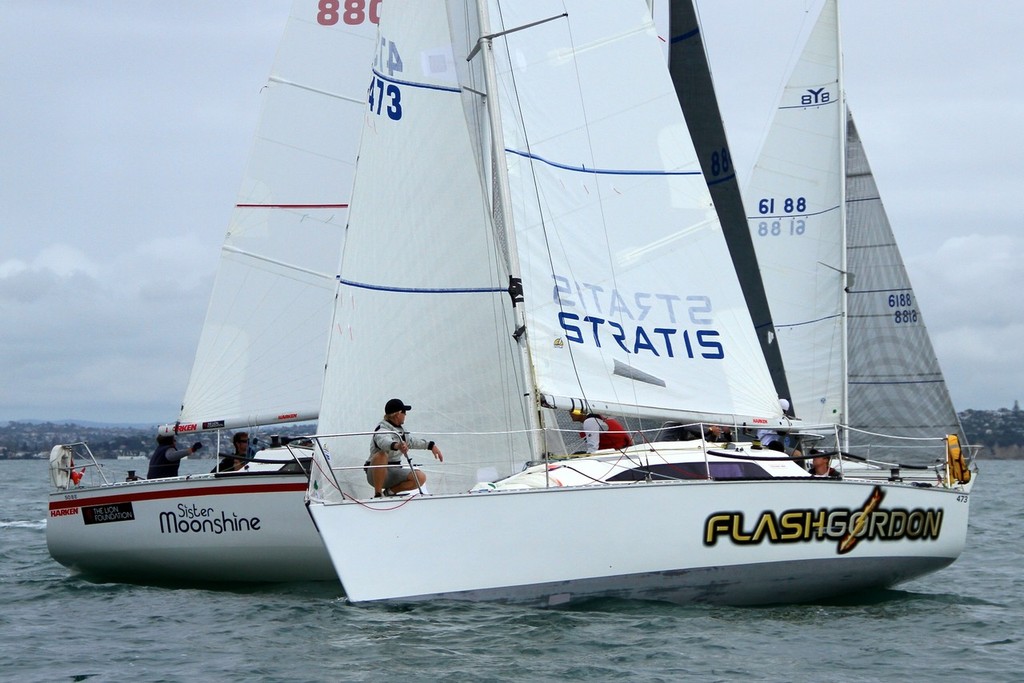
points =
(261, 352)
(855, 346)
(610, 208)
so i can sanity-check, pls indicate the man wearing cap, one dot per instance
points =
(384, 471)
(821, 465)
(601, 432)
(166, 458)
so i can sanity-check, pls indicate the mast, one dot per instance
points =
(844, 336)
(501, 213)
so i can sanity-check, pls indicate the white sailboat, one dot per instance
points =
(547, 240)
(856, 350)
(262, 348)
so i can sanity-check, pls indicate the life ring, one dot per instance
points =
(60, 466)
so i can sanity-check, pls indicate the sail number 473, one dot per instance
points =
(383, 94)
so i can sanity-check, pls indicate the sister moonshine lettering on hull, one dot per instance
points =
(196, 520)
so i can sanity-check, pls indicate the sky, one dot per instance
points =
(126, 127)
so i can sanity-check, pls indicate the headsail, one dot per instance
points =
(896, 385)
(261, 352)
(795, 209)
(856, 350)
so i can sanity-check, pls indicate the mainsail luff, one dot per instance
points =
(501, 215)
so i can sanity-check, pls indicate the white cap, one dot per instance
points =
(784, 403)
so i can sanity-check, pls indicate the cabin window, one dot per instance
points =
(694, 470)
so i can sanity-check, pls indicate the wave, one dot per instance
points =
(24, 524)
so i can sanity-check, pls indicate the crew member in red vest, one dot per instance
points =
(601, 432)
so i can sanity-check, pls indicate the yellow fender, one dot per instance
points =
(956, 466)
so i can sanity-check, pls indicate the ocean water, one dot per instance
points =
(965, 623)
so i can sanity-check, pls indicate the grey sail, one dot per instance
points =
(895, 383)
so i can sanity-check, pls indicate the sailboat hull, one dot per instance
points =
(227, 528)
(682, 542)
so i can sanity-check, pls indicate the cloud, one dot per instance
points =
(102, 340)
(133, 122)
(968, 289)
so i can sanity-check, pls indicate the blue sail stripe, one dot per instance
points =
(567, 167)
(414, 84)
(816, 105)
(723, 179)
(792, 215)
(597, 171)
(906, 381)
(421, 290)
(685, 36)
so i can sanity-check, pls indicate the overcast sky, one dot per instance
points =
(125, 127)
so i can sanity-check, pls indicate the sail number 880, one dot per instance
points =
(354, 12)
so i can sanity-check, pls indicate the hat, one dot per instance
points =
(577, 411)
(395, 405)
(784, 403)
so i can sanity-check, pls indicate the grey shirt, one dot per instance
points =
(387, 434)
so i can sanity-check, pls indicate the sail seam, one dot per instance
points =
(291, 206)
